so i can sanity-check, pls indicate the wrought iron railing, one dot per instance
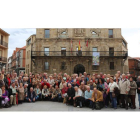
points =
(3, 43)
(79, 53)
(3, 59)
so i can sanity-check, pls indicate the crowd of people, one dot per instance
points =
(95, 91)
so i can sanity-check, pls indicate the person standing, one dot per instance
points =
(132, 92)
(112, 85)
(124, 86)
(138, 89)
(21, 93)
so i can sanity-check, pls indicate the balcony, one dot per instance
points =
(3, 59)
(121, 54)
(2, 43)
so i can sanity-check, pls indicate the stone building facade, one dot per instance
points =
(56, 50)
(4, 40)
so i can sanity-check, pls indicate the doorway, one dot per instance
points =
(79, 69)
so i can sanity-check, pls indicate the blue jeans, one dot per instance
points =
(114, 102)
(139, 99)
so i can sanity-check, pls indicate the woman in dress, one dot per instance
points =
(21, 93)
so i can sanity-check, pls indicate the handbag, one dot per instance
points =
(97, 106)
(113, 95)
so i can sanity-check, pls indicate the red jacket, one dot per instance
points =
(64, 90)
(42, 85)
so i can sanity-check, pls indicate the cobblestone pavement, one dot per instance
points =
(56, 106)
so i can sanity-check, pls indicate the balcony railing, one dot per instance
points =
(3, 59)
(79, 53)
(5, 44)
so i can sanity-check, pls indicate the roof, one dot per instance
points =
(3, 32)
(30, 36)
(136, 58)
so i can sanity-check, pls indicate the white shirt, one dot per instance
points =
(78, 93)
(112, 86)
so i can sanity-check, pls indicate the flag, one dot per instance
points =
(87, 43)
(71, 46)
(79, 47)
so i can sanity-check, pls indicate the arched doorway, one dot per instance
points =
(79, 69)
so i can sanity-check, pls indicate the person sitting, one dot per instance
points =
(4, 97)
(56, 94)
(31, 95)
(79, 97)
(45, 93)
(97, 98)
(88, 94)
(37, 93)
(64, 92)
(71, 94)
(13, 94)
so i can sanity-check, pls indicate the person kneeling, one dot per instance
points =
(79, 97)
(31, 95)
(97, 99)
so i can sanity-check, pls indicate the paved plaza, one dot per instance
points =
(56, 106)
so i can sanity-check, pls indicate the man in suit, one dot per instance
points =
(31, 95)
(71, 94)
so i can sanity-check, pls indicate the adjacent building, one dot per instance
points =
(29, 45)
(134, 66)
(4, 39)
(18, 60)
(57, 50)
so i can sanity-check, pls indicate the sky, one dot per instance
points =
(18, 38)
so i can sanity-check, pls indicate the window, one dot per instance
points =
(63, 64)
(63, 51)
(111, 51)
(110, 32)
(111, 65)
(63, 33)
(46, 65)
(29, 41)
(1, 40)
(94, 67)
(46, 51)
(47, 33)
(94, 49)
(93, 33)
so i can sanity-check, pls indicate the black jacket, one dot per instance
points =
(71, 92)
(29, 95)
(138, 86)
(29, 81)
(6, 83)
